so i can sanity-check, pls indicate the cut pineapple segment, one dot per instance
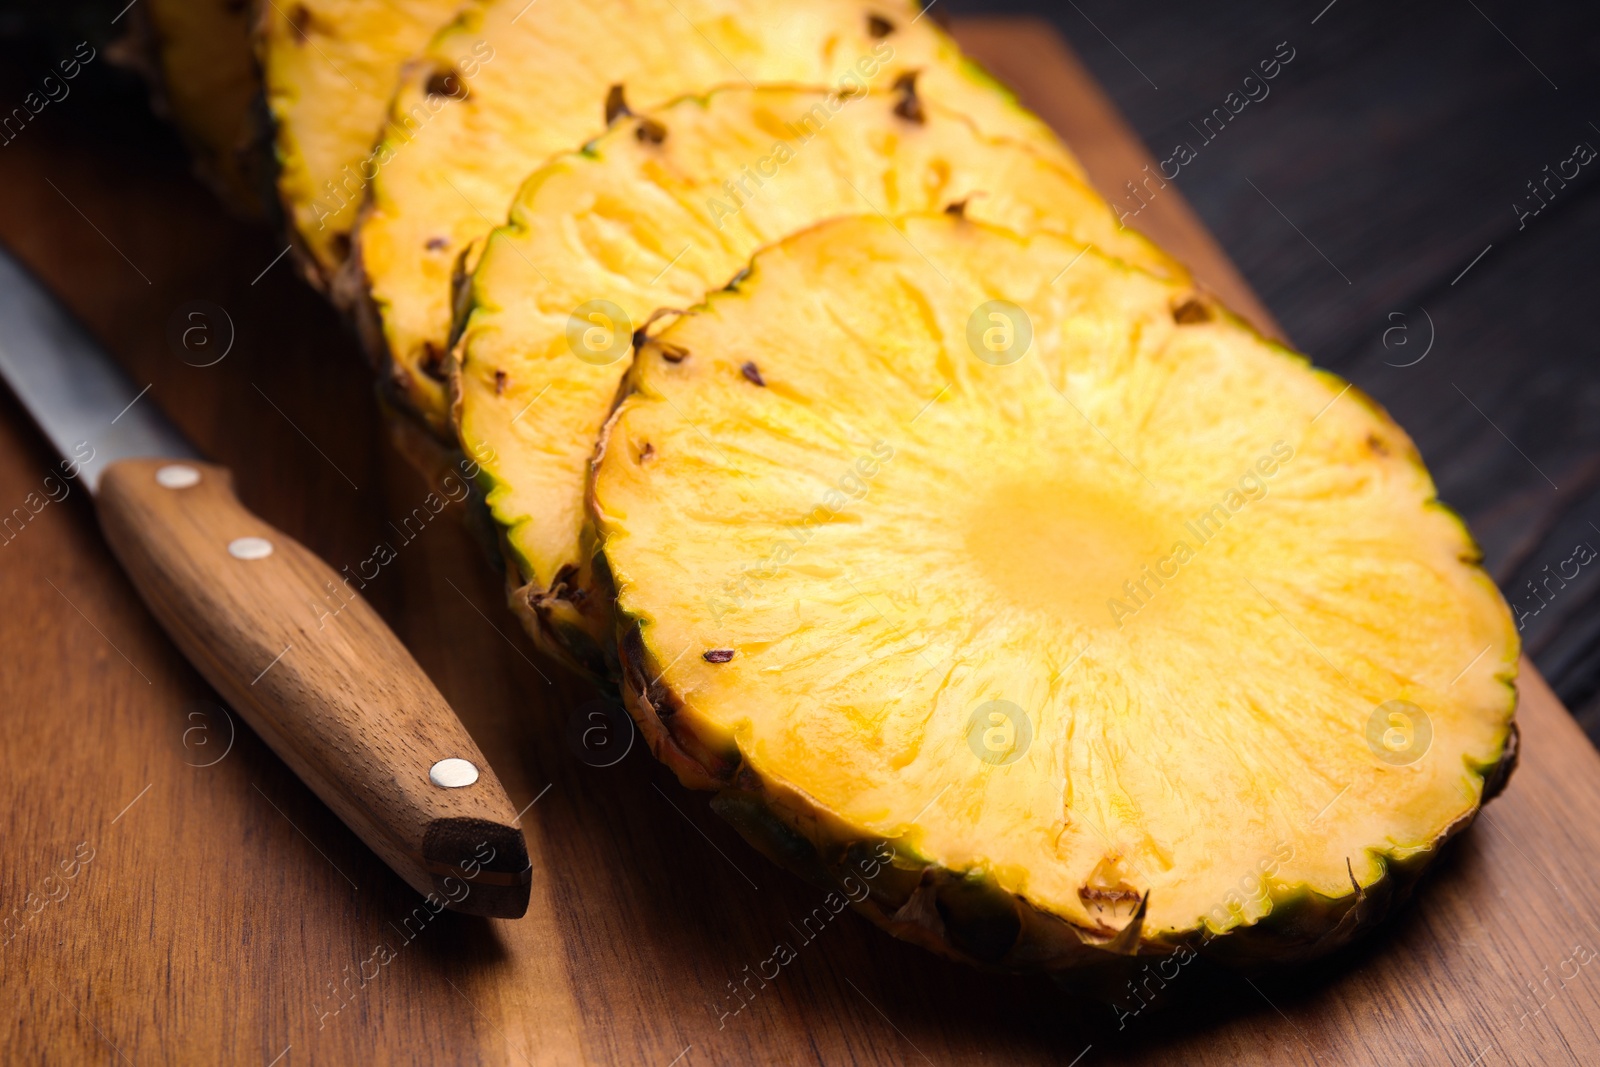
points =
(330, 68)
(542, 76)
(205, 79)
(653, 214)
(1125, 629)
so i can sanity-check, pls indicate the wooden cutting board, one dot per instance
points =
(173, 894)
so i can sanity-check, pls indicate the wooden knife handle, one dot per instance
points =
(292, 646)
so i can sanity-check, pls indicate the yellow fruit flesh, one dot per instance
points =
(209, 83)
(643, 224)
(1193, 568)
(536, 83)
(330, 68)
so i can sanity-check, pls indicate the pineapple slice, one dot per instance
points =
(1124, 629)
(330, 68)
(204, 77)
(511, 83)
(653, 214)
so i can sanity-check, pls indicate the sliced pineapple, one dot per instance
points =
(1125, 629)
(511, 83)
(330, 68)
(653, 214)
(206, 80)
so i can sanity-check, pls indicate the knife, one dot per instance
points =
(335, 694)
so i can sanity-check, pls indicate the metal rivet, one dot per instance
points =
(452, 773)
(177, 476)
(250, 548)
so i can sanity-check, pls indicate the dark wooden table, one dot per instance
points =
(1356, 192)
(216, 910)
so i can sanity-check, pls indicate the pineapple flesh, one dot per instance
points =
(330, 68)
(1128, 630)
(653, 214)
(509, 84)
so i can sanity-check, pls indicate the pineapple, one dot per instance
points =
(204, 78)
(1119, 628)
(653, 214)
(510, 83)
(330, 67)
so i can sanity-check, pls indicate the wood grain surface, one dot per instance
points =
(166, 905)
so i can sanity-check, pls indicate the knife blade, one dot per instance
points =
(78, 397)
(281, 635)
